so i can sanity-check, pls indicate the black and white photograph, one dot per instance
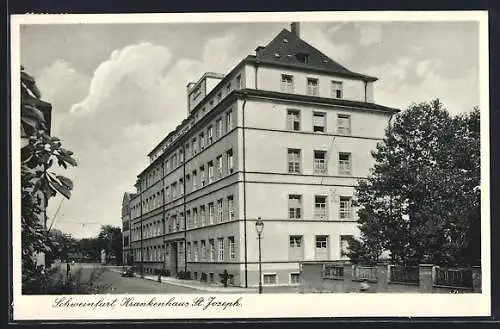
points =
(210, 165)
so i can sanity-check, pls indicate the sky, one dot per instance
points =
(118, 89)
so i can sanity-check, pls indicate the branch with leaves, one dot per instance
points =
(38, 181)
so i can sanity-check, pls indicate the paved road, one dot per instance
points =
(114, 283)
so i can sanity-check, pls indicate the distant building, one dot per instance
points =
(284, 136)
(126, 254)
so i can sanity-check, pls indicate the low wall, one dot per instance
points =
(337, 277)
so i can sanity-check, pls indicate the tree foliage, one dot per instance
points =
(108, 239)
(421, 201)
(39, 153)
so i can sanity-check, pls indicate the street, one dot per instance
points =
(114, 283)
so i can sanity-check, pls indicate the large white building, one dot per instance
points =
(284, 136)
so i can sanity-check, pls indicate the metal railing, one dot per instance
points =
(364, 273)
(404, 274)
(334, 272)
(453, 277)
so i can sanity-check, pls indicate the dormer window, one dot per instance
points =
(302, 57)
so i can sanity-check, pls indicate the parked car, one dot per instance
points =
(128, 272)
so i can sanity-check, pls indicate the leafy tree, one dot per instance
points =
(110, 238)
(421, 202)
(61, 244)
(39, 151)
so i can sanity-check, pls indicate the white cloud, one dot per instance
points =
(371, 33)
(459, 94)
(320, 39)
(135, 98)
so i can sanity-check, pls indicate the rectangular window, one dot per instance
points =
(194, 181)
(188, 151)
(321, 241)
(295, 241)
(229, 157)
(188, 219)
(287, 83)
(196, 251)
(269, 279)
(294, 278)
(218, 132)
(212, 250)
(218, 160)
(181, 156)
(188, 181)
(312, 87)
(203, 215)
(294, 161)
(230, 207)
(319, 122)
(173, 189)
(229, 120)
(345, 167)
(210, 135)
(203, 253)
(202, 176)
(320, 163)
(232, 252)
(210, 172)
(321, 251)
(293, 120)
(337, 89)
(189, 252)
(210, 213)
(194, 146)
(181, 186)
(202, 141)
(295, 206)
(220, 210)
(180, 250)
(344, 124)
(195, 218)
(344, 244)
(320, 211)
(220, 255)
(345, 208)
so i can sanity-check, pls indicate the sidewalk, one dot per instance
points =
(192, 283)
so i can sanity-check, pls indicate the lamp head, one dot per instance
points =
(259, 225)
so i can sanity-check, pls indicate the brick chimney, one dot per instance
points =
(296, 29)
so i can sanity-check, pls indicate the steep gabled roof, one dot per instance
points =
(127, 196)
(285, 47)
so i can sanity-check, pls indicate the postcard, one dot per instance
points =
(250, 165)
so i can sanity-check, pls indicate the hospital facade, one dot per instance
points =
(284, 136)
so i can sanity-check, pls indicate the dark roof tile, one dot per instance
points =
(285, 47)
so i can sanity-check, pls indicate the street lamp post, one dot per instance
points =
(259, 226)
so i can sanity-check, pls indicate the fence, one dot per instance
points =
(404, 274)
(333, 271)
(362, 273)
(453, 277)
(338, 276)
